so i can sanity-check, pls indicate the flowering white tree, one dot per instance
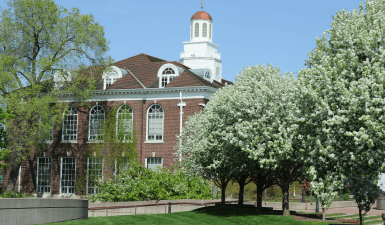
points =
(345, 82)
(325, 188)
(252, 128)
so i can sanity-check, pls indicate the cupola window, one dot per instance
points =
(167, 76)
(197, 30)
(211, 27)
(204, 30)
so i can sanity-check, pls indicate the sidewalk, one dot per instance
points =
(349, 211)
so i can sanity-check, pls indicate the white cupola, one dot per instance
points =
(200, 52)
(201, 27)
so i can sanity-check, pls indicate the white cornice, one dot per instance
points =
(200, 42)
(149, 94)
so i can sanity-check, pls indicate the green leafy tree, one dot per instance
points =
(47, 54)
(3, 136)
(113, 151)
(345, 81)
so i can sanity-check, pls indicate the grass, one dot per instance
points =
(373, 222)
(368, 218)
(208, 215)
(348, 216)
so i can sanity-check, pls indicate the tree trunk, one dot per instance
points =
(223, 187)
(323, 214)
(259, 198)
(13, 177)
(241, 191)
(360, 212)
(285, 200)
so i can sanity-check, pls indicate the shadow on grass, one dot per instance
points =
(226, 211)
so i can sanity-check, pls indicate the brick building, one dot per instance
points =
(158, 95)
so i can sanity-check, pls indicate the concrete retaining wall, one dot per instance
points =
(15, 211)
(157, 209)
(310, 205)
(160, 208)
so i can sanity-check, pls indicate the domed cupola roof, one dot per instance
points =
(201, 15)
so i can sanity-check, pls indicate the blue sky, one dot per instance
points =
(248, 32)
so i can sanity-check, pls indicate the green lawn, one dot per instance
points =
(209, 215)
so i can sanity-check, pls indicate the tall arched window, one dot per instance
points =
(211, 27)
(124, 123)
(96, 125)
(70, 124)
(196, 29)
(204, 30)
(155, 123)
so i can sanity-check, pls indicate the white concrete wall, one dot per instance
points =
(18, 211)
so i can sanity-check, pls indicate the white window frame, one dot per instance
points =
(61, 177)
(96, 189)
(112, 74)
(149, 158)
(37, 176)
(196, 30)
(77, 126)
(204, 30)
(168, 77)
(89, 124)
(147, 124)
(121, 166)
(132, 122)
(50, 139)
(210, 34)
(217, 72)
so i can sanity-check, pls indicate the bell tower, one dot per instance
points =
(200, 52)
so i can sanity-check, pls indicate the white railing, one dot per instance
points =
(200, 54)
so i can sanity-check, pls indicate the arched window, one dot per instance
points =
(196, 29)
(96, 126)
(70, 124)
(124, 123)
(204, 30)
(155, 122)
(211, 27)
(167, 76)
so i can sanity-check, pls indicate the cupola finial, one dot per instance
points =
(202, 6)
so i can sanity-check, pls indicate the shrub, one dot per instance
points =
(15, 194)
(345, 196)
(139, 183)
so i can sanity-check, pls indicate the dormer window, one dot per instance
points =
(167, 73)
(111, 75)
(167, 76)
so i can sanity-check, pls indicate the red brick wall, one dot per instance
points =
(57, 150)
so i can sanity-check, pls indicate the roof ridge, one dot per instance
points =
(137, 80)
(146, 57)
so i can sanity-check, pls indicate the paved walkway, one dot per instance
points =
(350, 211)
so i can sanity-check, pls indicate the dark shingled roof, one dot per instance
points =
(143, 70)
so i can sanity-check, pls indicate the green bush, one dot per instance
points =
(139, 183)
(345, 197)
(15, 194)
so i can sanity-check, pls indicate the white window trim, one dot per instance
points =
(37, 177)
(162, 68)
(88, 163)
(117, 121)
(161, 164)
(61, 169)
(112, 73)
(154, 141)
(89, 125)
(77, 129)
